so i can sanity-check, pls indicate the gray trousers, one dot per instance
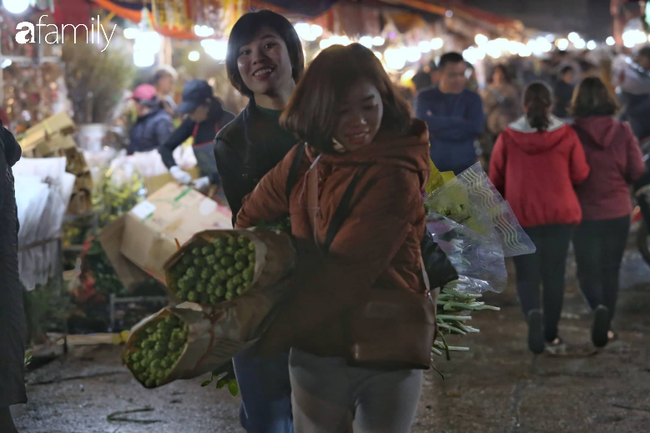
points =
(328, 396)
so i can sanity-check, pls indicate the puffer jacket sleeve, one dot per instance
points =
(578, 167)
(634, 166)
(268, 201)
(498, 165)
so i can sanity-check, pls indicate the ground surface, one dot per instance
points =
(497, 387)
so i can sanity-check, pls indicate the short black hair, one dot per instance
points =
(246, 28)
(449, 58)
(565, 70)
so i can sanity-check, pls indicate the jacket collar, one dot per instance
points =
(521, 125)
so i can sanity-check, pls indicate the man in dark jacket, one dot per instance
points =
(454, 116)
(564, 92)
(12, 319)
(154, 124)
(205, 117)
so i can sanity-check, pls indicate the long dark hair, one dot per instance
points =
(593, 98)
(538, 100)
(246, 28)
(312, 111)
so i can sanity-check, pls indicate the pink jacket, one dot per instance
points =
(615, 159)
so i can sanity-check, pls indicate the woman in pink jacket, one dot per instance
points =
(616, 161)
(536, 162)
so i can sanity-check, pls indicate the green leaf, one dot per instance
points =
(233, 388)
(206, 383)
(221, 384)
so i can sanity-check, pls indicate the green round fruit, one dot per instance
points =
(192, 296)
(187, 260)
(251, 258)
(241, 289)
(191, 272)
(227, 261)
(240, 266)
(220, 242)
(211, 260)
(200, 262)
(164, 363)
(206, 274)
(155, 364)
(251, 247)
(151, 329)
(248, 274)
(223, 274)
(196, 252)
(241, 255)
(221, 291)
(200, 287)
(219, 252)
(181, 294)
(237, 280)
(243, 241)
(148, 344)
(214, 299)
(230, 251)
(210, 289)
(150, 383)
(232, 271)
(232, 241)
(230, 285)
(214, 280)
(230, 295)
(207, 250)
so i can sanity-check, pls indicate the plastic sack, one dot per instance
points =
(478, 258)
(472, 200)
(43, 190)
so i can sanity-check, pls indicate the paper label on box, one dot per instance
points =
(144, 209)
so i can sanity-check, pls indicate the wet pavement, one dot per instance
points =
(497, 387)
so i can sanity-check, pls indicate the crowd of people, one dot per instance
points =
(338, 149)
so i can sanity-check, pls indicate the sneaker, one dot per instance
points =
(556, 347)
(535, 332)
(601, 326)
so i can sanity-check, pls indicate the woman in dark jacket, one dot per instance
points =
(615, 159)
(12, 319)
(264, 62)
(154, 124)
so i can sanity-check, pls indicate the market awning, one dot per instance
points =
(440, 7)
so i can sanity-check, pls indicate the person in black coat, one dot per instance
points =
(205, 117)
(12, 314)
(154, 124)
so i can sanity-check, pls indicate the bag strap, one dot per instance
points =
(292, 177)
(342, 211)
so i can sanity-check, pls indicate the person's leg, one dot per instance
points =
(587, 244)
(386, 402)
(554, 255)
(6, 421)
(528, 281)
(614, 243)
(265, 392)
(528, 275)
(322, 394)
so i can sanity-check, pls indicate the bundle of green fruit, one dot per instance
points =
(155, 349)
(219, 265)
(452, 316)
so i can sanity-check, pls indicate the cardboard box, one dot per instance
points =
(154, 183)
(173, 213)
(41, 144)
(60, 122)
(130, 274)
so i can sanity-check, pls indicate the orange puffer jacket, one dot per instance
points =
(377, 246)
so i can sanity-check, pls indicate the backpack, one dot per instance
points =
(439, 269)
